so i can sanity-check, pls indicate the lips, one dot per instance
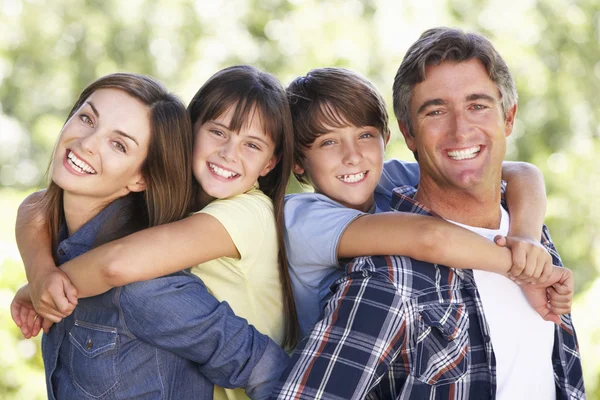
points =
(222, 172)
(78, 164)
(353, 178)
(464, 154)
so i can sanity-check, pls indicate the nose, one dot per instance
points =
(352, 154)
(89, 143)
(228, 151)
(461, 125)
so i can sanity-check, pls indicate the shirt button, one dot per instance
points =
(61, 252)
(89, 344)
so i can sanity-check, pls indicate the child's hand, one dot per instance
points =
(553, 298)
(53, 296)
(24, 315)
(531, 261)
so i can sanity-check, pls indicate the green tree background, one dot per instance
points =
(49, 51)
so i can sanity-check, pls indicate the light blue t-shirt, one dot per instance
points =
(314, 224)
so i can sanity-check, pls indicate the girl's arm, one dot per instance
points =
(150, 253)
(52, 295)
(437, 241)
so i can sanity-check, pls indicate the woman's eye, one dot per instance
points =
(119, 146)
(87, 120)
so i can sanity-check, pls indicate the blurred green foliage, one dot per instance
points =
(49, 51)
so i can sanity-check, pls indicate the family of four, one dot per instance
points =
(141, 189)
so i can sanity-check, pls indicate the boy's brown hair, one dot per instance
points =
(328, 98)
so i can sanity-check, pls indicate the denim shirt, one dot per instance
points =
(166, 338)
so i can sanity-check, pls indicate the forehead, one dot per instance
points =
(454, 80)
(120, 111)
(252, 124)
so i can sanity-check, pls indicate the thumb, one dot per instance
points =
(71, 293)
(500, 240)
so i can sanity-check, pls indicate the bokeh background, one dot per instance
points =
(51, 50)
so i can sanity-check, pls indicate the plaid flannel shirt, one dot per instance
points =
(398, 328)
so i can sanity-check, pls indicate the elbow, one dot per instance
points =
(113, 272)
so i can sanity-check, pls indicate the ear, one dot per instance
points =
(387, 140)
(270, 165)
(138, 186)
(408, 138)
(509, 121)
(298, 169)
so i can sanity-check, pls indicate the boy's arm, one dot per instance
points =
(437, 241)
(51, 292)
(150, 253)
(526, 200)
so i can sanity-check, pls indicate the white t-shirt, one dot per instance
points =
(521, 339)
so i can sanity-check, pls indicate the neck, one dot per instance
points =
(79, 211)
(477, 207)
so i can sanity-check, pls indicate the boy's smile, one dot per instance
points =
(345, 165)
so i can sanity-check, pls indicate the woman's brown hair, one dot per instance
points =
(166, 170)
(252, 92)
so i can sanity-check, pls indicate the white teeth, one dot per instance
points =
(222, 172)
(465, 153)
(353, 178)
(79, 165)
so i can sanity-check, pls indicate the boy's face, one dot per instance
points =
(345, 165)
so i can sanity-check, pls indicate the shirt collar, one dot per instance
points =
(83, 239)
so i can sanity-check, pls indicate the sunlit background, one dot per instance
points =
(51, 50)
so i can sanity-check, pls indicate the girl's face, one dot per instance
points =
(102, 147)
(228, 163)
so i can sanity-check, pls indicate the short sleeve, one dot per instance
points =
(248, 218)
(395, 173)
(314, 225)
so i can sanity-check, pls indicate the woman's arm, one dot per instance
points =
(437, 241)
(150, 253)
(52, 294)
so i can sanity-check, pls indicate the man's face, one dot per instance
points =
(345, 165)
(459, 127)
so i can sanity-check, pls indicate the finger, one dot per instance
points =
(562, 288)
(519, 262)
(15, 313)
(500, 240)
(551, 316)
(71, 294)
(46, 325)
(37, 325)
(546, 272)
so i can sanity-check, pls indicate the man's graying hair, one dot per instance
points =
(439, 45)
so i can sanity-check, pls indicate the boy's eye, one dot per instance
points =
(86, 120)
(327, 142)
(366, 135)
(119, 146)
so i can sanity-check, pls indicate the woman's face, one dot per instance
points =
(102, 147)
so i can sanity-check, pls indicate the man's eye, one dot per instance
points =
(434, 113)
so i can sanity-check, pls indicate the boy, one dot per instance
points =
(341, 129)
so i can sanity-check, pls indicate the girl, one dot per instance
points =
(242, 158)
(122, 162)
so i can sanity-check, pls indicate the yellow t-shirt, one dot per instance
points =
(250, 284)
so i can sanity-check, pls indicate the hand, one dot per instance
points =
(553, 298)
(531, 261)
(24, 315)
(53, 296)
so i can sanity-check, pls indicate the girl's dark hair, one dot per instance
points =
(252, 92)
(166, 170)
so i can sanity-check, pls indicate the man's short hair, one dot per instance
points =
(439, 45)
(332, 98)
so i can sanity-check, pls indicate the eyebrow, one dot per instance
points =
(480, 96)
(429, 103)
(251, 136)
(117, 131)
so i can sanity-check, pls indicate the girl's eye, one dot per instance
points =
(217, 132)
(87, 120)
(119, 146)
(253, 146)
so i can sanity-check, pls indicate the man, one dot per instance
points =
(400, 328)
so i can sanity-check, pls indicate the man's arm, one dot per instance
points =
(351, 347)
(176, 313)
